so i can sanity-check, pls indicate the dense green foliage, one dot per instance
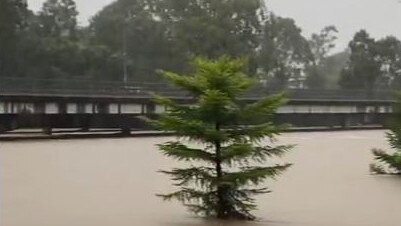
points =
(320, 44)
(390, 163)
(136, 38)
(331, 69)
(132, 39)
(230, 135)
(12, 17)
(49, 44)
(363, 69)
(165, 34)
(284, 53)
(373, 64)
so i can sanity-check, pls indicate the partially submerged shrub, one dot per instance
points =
(232, 162)
(390, 163)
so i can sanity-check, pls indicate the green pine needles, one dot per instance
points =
(232, 135)
(390, 163)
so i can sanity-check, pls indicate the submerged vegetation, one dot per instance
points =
(227, 137)
(390, 163)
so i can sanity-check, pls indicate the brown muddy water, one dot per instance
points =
(112, 182)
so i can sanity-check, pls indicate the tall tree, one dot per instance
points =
(54, 48)
(164, 34)
(363, 70)
(137, 37)
(284, 53)
(232, 135)
(332, 67)
(59, 18)
(212, 28)
(389, 56)
(12, 18)
(320, 44)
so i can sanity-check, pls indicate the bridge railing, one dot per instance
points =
(86, 87)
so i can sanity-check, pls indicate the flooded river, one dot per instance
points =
(112, 182)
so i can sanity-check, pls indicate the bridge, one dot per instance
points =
(87, 104)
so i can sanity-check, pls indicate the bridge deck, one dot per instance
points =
(78, 88)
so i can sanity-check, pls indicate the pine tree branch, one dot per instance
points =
(194, 85)
(187, 195)
(263, 108)
(393, 139)
(175, 109)
(202, 176)
(254, 175)
(195, 130)
(181, 152)
(242, 152)
(255, 133)
(392, 160)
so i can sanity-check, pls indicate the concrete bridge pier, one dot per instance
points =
(47, 130)
(126, 130)
(8, 122)
(85, 123)
(46, 123)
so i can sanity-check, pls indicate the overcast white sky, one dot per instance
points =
(379, 17)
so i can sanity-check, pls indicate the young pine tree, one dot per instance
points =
(390, 163)
(232, 135)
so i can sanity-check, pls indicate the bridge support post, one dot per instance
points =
(126, 130)
(47, 130)
(346, 121)
(8, 123)
(86, 123)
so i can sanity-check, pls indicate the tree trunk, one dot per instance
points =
(219, 172)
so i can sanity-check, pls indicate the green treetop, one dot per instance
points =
(232, 136)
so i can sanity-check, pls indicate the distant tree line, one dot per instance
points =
(138, 37)
(373, 64)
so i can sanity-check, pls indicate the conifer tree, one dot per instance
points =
(390, 163)
(234, 137)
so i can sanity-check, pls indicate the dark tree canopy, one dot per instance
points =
(134, 38)
(373, 64)
(213, 28)
(165, 34)
(12, 21)
(363, 69)
(320, 44)
(284, 52)
(59, 18)
(389, 56)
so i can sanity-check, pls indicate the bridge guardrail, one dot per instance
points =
(81, 87)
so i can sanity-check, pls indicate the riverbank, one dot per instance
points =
(68, 134)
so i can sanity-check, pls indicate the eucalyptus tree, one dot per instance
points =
(320, 44)
(59, 18)
(284, 53)
(389, 56)
(363, 70)
(12, 20)
(165, 34)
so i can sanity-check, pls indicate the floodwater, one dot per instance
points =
(112, 182)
